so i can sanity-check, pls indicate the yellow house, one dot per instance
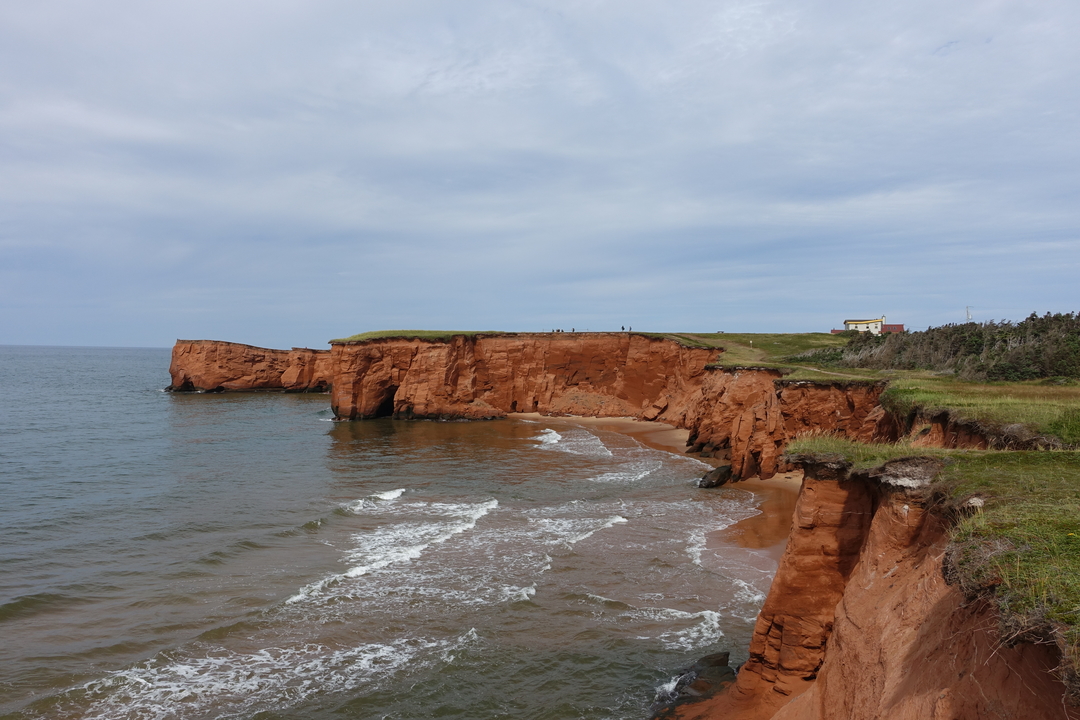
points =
(871, 326)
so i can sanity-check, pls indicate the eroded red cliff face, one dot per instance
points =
(598, 374)
(748, 414)
(860, 623)
(753, 412)
(211, 365)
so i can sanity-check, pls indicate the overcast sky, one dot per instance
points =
(282, 173)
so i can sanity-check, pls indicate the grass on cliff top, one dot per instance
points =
(1045, 406)
(687, 339)
(765, 349)
(413, 334)
(1024, 541)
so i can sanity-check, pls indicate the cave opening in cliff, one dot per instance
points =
(386, 407)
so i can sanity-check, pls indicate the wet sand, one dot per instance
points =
(767, 531)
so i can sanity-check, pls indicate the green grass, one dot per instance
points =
(1031, 526)
(442, 335)
(766, 349)
(862, 456)
(1023, 543)
(687, 339)
(1045, 407)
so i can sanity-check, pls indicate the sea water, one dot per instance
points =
(242, 556)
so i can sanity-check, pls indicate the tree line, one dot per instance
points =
(1044, 346)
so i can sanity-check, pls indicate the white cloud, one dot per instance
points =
(480, 154)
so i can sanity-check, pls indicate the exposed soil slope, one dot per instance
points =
(860, 623)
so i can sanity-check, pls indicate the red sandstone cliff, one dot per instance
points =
(747, 413)
(210, 365)
(598, 374)
(752, 412)
(860, 623)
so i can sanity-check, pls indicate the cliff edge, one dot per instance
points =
(860, 621)
(743, 414)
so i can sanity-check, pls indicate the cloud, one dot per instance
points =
(284, 172)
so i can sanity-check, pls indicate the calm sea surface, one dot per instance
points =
(241, 556)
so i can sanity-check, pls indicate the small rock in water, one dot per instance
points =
(715, 477)
(702, 680)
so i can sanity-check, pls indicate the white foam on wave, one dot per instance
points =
(747, 593)
(637, 472)
(401, 542)
(373, 501)
(667, 689)
(570, 531)
(702, 634)
(548, 437)
(211, 681)
(576, 441)
(519, 594)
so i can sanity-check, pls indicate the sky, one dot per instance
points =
(282, 173)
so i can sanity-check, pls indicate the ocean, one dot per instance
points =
(242, 556)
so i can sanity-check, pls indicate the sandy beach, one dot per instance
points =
(767, 531)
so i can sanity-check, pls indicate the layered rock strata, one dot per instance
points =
(752, 413)
(860, 622)
(214, 366)
(942, 429)
(477, 376)
(745, 414)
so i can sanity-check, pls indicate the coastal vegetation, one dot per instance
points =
(1038, 347)
(1018, 542)
(436, 335)
(686, 339)
(1046, 405)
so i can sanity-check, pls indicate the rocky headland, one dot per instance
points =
(742, 413)
(861, 620)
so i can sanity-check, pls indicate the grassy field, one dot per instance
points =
(764, 349)
(1047, 407)
(1023, 543)
(413, 334)
(688, 339)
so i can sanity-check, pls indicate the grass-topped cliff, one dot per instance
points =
(688, 340)
(433, 335)
(1048, 406)
(1019, 541)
